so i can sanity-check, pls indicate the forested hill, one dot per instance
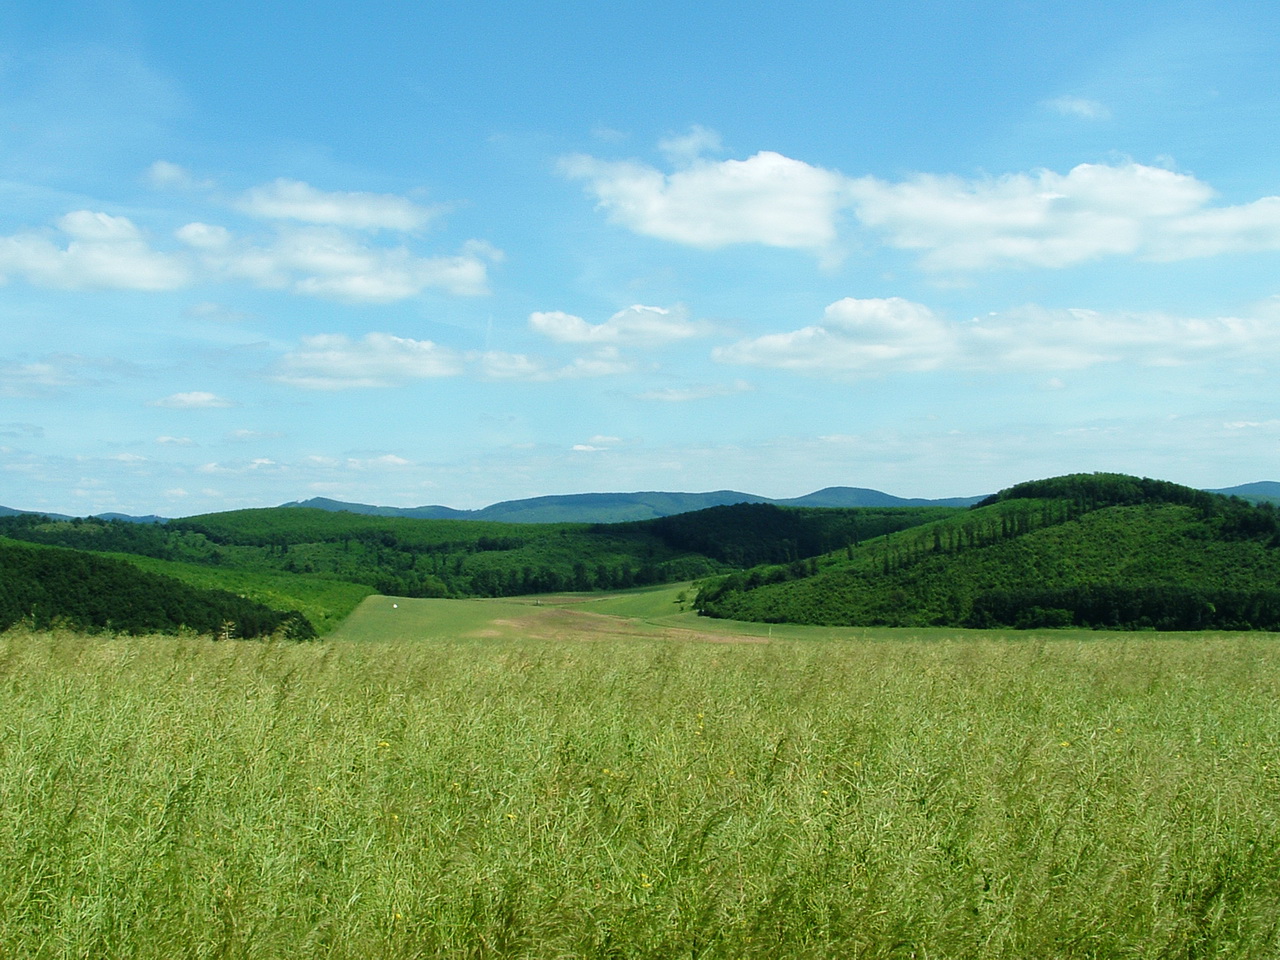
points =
(45, 585)
(1092, 550)
(453, 558)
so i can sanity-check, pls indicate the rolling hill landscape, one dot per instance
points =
(1092, 550)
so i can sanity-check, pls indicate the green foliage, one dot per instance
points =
(747, 534)
(632, 799)
(454, 558)
(1097, 550)
(1091, 491)
(43, 585)
(323, 601)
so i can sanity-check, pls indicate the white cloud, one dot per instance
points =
(333, 361)
(194, 400)
(332, 263)
(293, 200)
(854, 336)
(204, 236)
(167, 441)
(870, 337)
(1252, 425)
(1047, 219)
(100, 251)
(1206, 233)
(767, 199)
(1039, 219)
(639, 325)
(1079, 107)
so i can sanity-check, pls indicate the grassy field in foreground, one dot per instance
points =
(508, 795)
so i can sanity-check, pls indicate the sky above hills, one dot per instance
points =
(458, 253)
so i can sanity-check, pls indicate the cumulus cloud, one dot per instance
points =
(1040, 218)
(871, 337)
(294, 200)
(95, 250)
(194, 400)
(1043, 219)
(767, 199)
(321, 253)
(332, 361)
(1047, 219)
(638, 325)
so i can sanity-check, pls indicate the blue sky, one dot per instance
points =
(457, 253)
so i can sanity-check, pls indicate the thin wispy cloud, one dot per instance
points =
(895, 336)
(692, 394)
(636, 326)
(193, 400)
(334, 361)
(284, 199)
(1079, 107)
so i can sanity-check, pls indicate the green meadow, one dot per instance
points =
(587, 776)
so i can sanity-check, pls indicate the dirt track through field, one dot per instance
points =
(556, 623)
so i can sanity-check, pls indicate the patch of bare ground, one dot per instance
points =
(555, 623)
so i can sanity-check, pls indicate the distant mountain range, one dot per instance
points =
(150, 518)
(621, 507)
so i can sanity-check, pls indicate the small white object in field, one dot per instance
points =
(395, 606)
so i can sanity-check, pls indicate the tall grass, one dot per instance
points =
(974, 797)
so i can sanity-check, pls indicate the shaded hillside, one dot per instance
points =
(1264, 491)
(45, 585)
(1085, 550)
(748, 534)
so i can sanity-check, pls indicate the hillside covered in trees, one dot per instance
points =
(454, 558)
(45, 585)
(1086, 550)
(323, 561)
